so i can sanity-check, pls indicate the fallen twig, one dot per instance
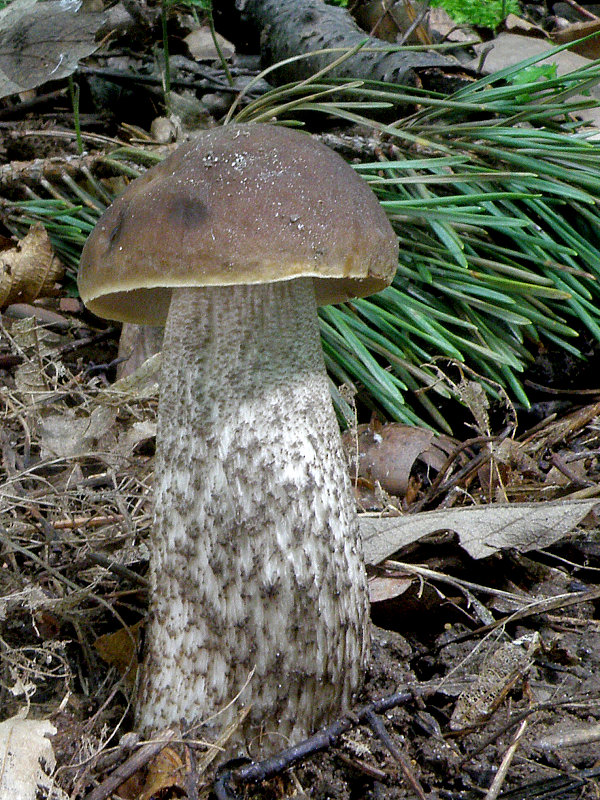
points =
(132, 765)
(537, 607)
(500, 777)
(379, 729)
(256, 772)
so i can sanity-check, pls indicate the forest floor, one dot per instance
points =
(494, 656)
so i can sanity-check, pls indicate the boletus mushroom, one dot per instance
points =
(258, 588)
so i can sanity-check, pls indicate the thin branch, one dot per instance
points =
(379, 729)
(326, 737)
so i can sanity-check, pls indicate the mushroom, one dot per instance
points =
(258, 591)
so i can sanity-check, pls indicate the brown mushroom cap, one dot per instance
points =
(240, 204)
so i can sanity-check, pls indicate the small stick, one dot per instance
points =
(494, 789)
(581, 10)
(518, 718)
(90, 522)
(132, 765)
(423, 34)
(560, 465)
(569, 392)
(262, 770)
(117, 569)
(25, 106)
(571, 739)
(190, 778)
(380, 731)
(109, 333)
(7, 361)
(368, 769)
(537, 607)
(437, 488)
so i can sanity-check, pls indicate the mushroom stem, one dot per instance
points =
(258, 585)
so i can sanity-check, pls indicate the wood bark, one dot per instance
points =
(285, 28)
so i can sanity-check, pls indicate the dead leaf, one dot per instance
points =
(387, 588)
(37, 346)
(41, 42)
(139, 385)
(387, 454)
(515, 24)
(509, 464)
(164, 771)
(578, 30)
(26, 759)
(201, 45)
(29, 269)
(71, 432)
(119, 649)
(135, 434)
(442, 24)
(389, 20)
(493, 679)
(482, 530)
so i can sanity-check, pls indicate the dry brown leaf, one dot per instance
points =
(165, 771)
(387, 454)
(38, 346)
(41, 42)
(120, 650)
(29, 269)
(387, 587)
(590, 48)
(494, 678)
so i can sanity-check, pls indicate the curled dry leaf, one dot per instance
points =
(387, 454)
(29, 269)
(162, 777)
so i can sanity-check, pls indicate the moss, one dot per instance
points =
(473, 12)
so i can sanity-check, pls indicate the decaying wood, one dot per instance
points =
(287, 28)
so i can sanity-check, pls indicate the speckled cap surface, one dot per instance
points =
(238, 204)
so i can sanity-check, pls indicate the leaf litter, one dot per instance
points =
(490, 606)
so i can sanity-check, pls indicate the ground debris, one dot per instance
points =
(75, 507)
